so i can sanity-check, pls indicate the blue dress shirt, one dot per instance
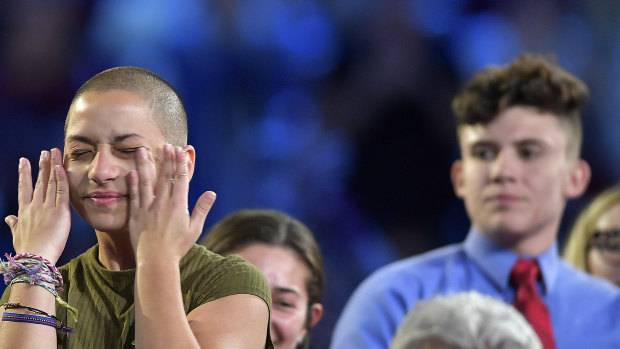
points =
(585, 311)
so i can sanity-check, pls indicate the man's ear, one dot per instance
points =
(191, 162)
(578, 179)
(456, 175)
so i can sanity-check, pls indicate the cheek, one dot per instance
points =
(289, 325)
(74, 178)
(595, 263)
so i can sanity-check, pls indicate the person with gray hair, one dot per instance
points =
(466, 320)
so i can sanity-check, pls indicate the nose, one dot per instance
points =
(504, 167)
(103, 168)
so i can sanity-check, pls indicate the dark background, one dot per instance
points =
(336, 112)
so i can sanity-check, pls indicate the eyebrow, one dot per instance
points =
(116, 139)
(286, 290)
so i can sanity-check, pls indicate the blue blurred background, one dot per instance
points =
(337, 112)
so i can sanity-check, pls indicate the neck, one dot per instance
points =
(115, 251)
(523, 243)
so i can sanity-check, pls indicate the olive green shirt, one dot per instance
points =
(104, 298)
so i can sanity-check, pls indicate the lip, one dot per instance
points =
(504, 199)
(105, 198)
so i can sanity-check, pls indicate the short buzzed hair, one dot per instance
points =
(530, 80)
(168, 113)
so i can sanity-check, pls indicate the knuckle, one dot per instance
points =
(133, 196)
(202, 208)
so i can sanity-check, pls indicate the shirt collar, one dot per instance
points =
(496, 261)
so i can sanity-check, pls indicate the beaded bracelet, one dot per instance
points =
(35, 319)
(49, 320)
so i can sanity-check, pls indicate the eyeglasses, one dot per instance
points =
(607, 240)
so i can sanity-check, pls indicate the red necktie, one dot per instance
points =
(527, 300)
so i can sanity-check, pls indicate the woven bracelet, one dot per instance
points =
(72, 310)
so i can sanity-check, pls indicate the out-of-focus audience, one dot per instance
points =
(467, 320)
(519, 129)
(594, 241)
(285, 250)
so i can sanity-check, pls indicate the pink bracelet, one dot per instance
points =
(54, 271)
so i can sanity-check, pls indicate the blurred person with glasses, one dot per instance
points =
(594, 241)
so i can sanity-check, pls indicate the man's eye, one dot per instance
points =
(529, 153)
(484, 154)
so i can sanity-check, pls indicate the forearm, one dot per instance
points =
(161, 321)
(28, 335)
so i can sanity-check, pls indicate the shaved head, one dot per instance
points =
(167, 111)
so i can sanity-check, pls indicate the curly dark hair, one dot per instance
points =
(530, 80)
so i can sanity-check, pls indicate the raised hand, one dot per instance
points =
(43, 220)
(160, 225)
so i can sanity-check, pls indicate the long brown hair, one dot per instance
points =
(275, 228)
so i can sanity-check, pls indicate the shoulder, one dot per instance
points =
(215, 276)
(374, 311)
(198, 258)
(576, 283)
(409, 272)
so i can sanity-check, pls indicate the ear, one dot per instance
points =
(578, 179)
(316, 311)
(191, 152)
(456, 175)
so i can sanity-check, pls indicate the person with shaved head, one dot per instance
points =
(125, 169)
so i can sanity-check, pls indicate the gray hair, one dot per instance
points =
(467, 320)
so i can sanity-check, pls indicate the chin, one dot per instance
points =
(108, 224)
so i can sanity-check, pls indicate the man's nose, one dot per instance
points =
(504, 166)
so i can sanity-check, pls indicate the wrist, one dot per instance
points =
(51, 257)
(156, 256)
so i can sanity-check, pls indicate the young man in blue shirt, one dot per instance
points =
(519, 132)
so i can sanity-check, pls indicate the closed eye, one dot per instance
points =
(129, 150)
(78, 154)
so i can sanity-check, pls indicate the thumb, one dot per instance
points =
(11, 221)
(201, 209)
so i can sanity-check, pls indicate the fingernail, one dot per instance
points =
(21, 162)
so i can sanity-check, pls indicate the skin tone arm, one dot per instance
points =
(42, 228)
(161, 232)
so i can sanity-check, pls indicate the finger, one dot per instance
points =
(62, 183)
(199, 214)
(40, 186)
(62, 186)
(11, 221)
(24, 183)
(166, 172)
(50, 194)
(180, 188)
(133, 183)
(144, 179)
